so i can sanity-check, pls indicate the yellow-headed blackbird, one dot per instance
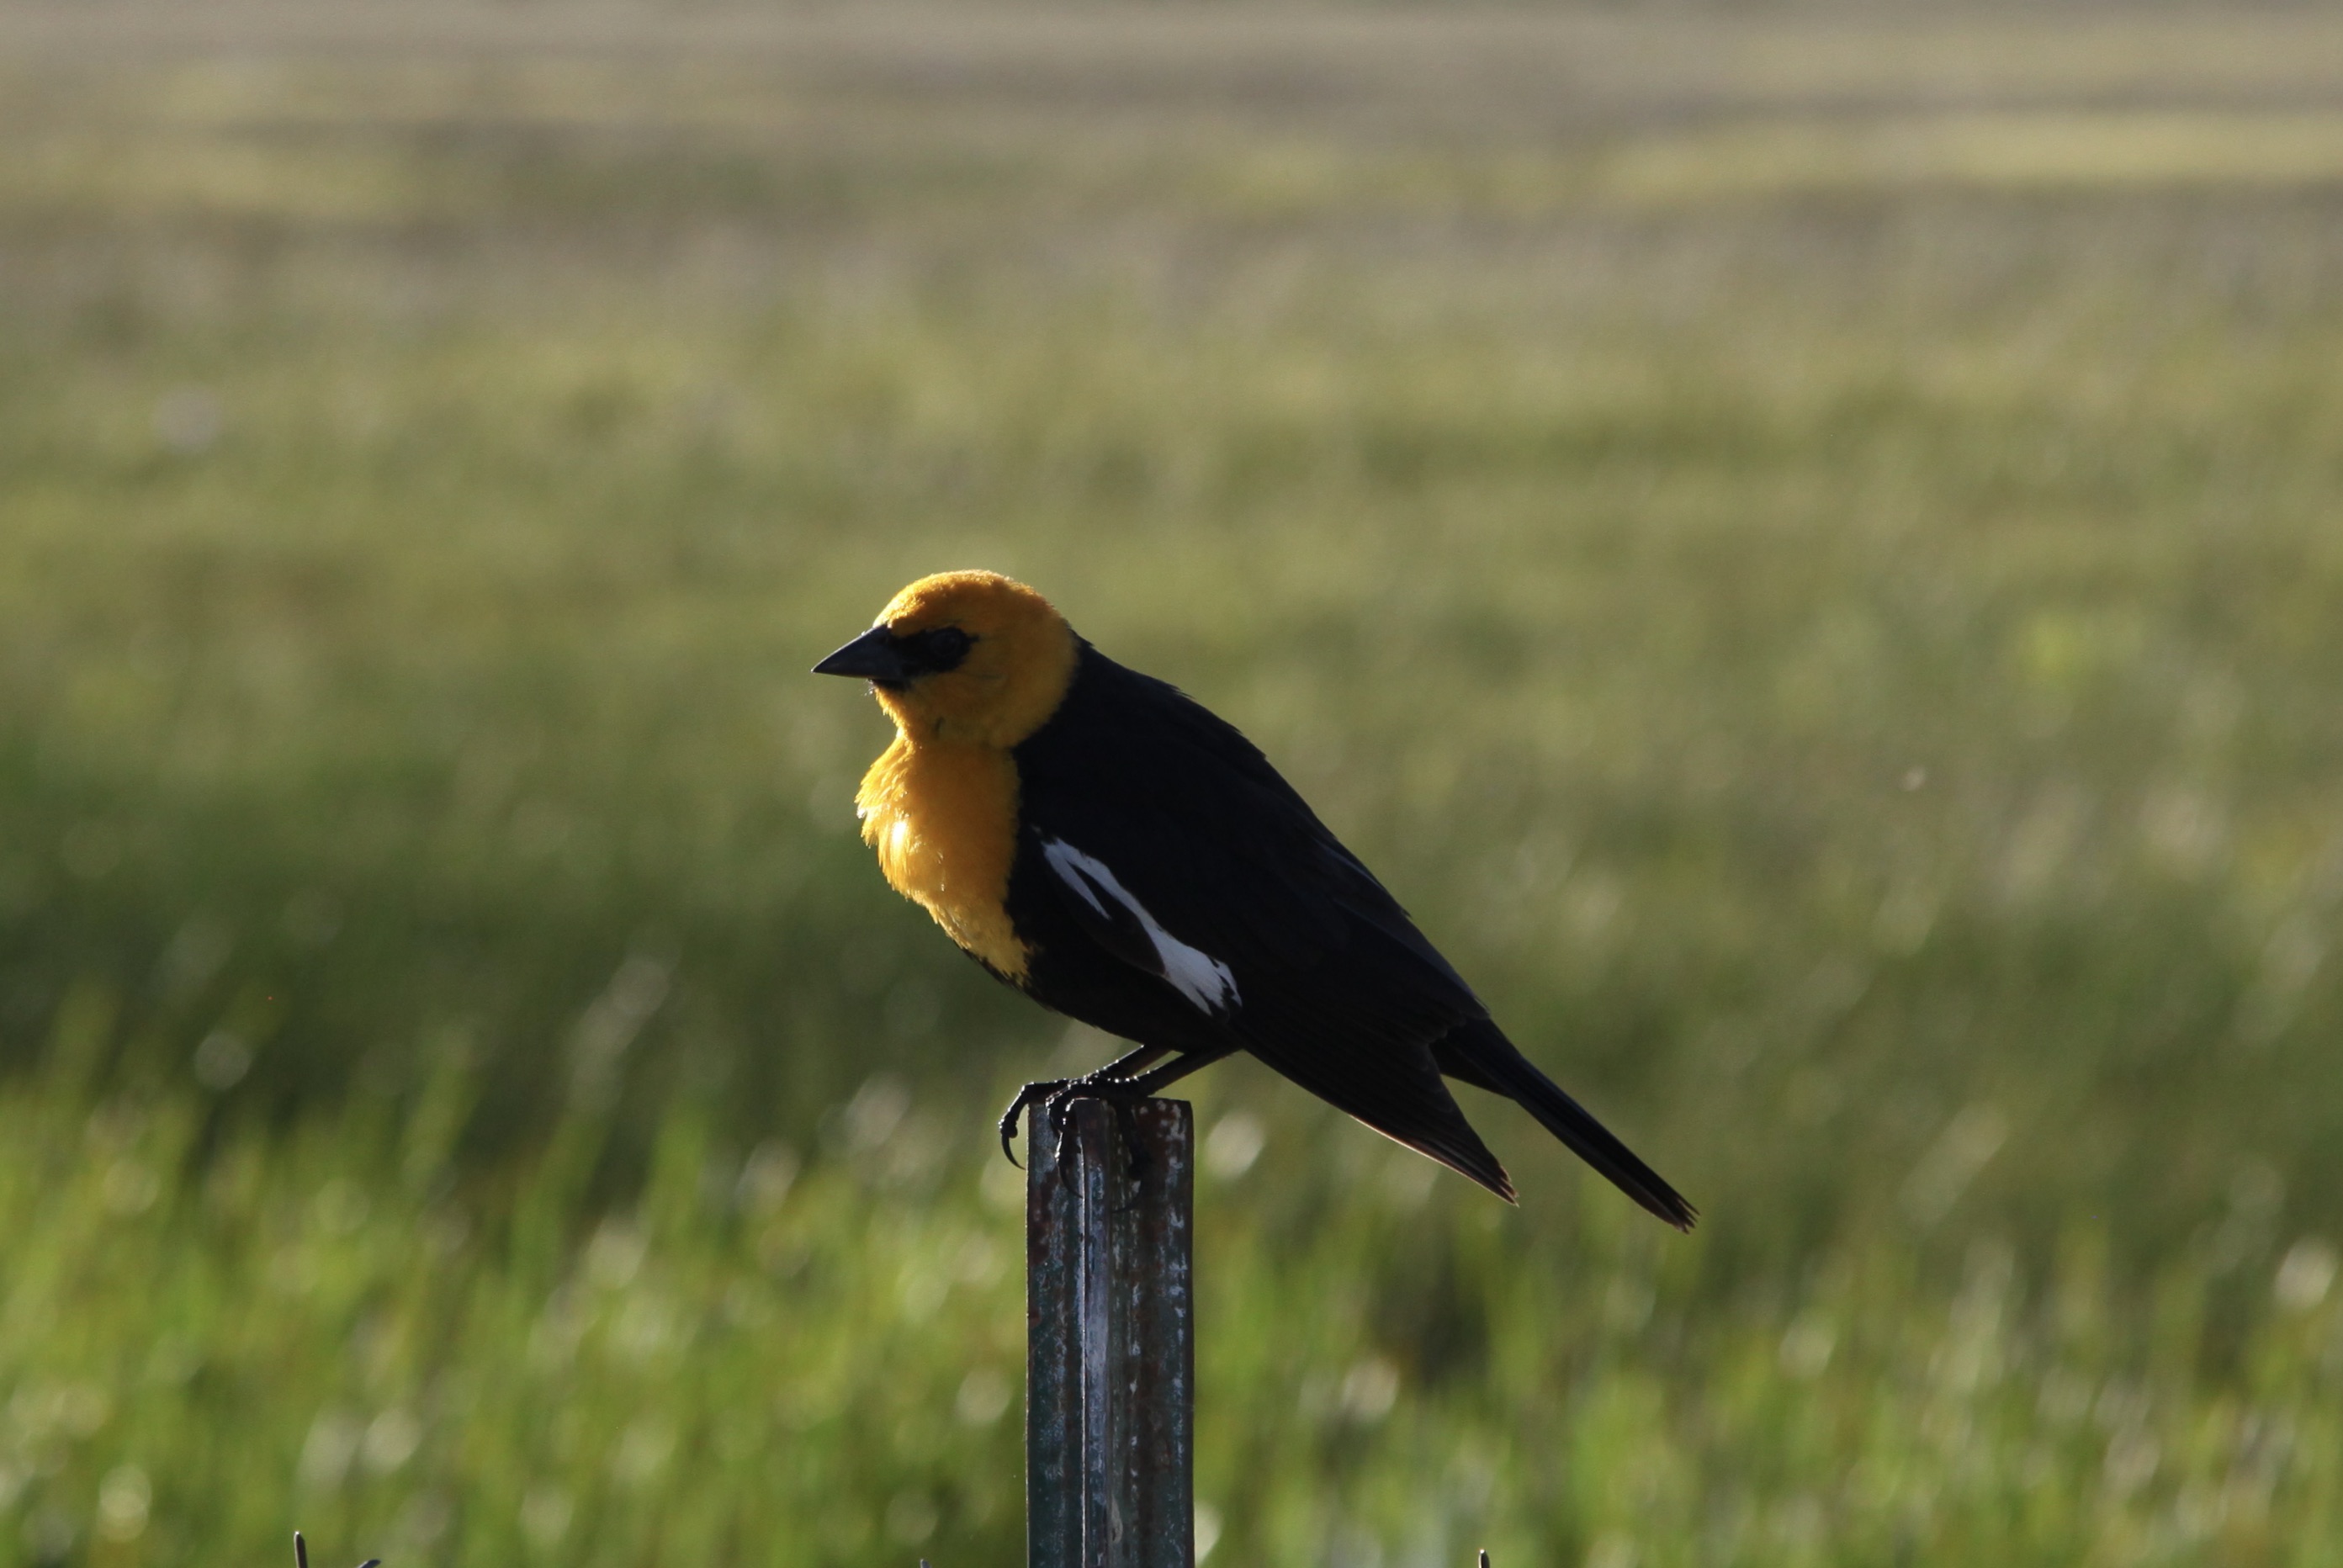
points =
(1097, 839)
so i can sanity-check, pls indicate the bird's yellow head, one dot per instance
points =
(971, 656)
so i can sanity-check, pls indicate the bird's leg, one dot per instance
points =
(1048, 1090)
(1143, 1085)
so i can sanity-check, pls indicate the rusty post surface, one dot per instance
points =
(1111, 1347)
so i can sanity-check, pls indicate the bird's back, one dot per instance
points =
(1330, 982)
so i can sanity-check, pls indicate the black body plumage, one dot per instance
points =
(1148, 830)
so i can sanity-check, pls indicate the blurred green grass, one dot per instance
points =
(771, 1358)
(1804, 550)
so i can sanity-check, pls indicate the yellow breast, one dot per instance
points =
(944, 818)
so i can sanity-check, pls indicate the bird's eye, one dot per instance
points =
(938, 650)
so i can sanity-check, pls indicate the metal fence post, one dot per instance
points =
(1111, 1349)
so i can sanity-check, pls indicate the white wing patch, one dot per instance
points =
(1195, 974)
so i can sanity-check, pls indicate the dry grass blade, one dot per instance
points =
(301, 1554)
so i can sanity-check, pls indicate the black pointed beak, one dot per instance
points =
(873, 656)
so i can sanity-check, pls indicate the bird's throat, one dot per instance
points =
(942, 816)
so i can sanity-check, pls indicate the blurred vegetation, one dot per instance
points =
(815, 1362)
(1804, 550)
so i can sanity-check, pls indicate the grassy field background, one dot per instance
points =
(1803, 546)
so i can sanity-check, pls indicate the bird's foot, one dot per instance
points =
(1038, 1093)
(1053, 1099)
(1122, 1097)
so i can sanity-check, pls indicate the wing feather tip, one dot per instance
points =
(1492, 1180)
(1668, 1206)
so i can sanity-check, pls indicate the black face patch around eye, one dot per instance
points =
(934, 651)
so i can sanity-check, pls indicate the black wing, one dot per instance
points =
(1139, 809)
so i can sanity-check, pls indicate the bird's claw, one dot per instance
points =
(1055, 1097)
(1121, 1100)
(1039, 1094)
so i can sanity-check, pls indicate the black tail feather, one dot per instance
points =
(1478, 1054)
